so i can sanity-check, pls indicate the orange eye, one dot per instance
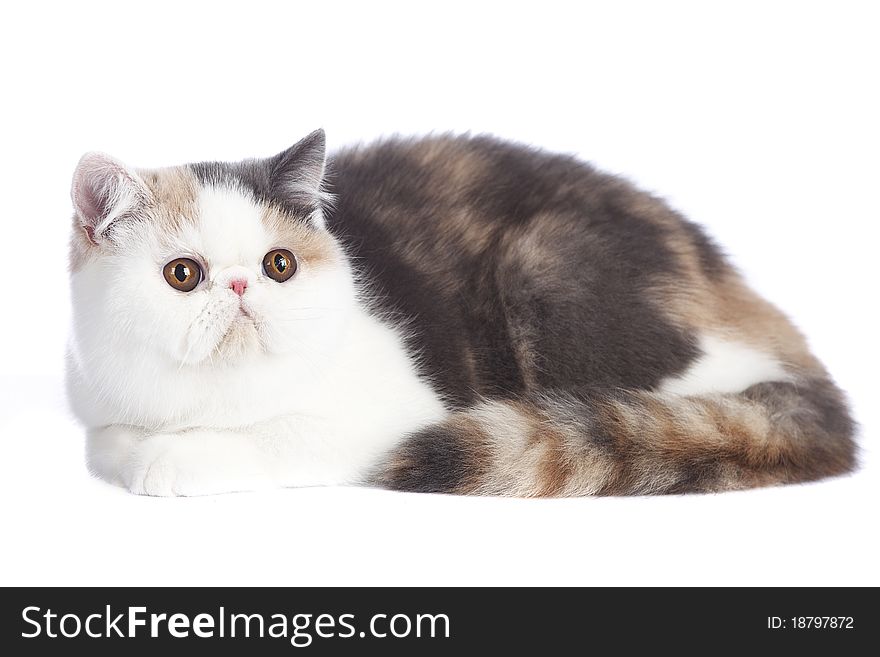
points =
(182, 274)
(279, 264)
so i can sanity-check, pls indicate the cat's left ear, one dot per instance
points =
(298, 172)
(103, 192)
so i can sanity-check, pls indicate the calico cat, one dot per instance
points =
(449, 314)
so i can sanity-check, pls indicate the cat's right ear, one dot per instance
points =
(104, 191)
(298, 173)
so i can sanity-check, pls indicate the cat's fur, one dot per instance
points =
(468, 316)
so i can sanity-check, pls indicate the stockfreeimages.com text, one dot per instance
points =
(300, 629)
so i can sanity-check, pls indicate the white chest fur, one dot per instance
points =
(324, 424)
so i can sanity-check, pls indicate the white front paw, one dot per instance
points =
(169, 465)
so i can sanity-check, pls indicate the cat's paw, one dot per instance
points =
(180, 465)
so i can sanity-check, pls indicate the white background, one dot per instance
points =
(758, 120)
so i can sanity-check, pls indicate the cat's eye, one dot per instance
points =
(182, 274)
(279, 264)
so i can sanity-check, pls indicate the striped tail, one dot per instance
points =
(631, 443)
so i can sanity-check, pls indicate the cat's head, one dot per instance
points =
(209, 264)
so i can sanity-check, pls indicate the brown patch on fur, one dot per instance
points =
(469, 362)
(479, 451)
(535, 246)
(718, 301)
(472, 234)
(453, 160)
(742, 446)
(728, 308)
(612, 429)
(312, 247)
(725, 306)
(555, 469)
(763, 324)
(173, 192)
(553, 466)
(460, 169)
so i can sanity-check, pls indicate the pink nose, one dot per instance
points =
(238, 286)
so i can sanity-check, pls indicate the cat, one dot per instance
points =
(452, 314)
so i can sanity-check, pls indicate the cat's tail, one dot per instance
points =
(631, 443)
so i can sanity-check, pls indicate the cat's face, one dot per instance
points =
(207, 265)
